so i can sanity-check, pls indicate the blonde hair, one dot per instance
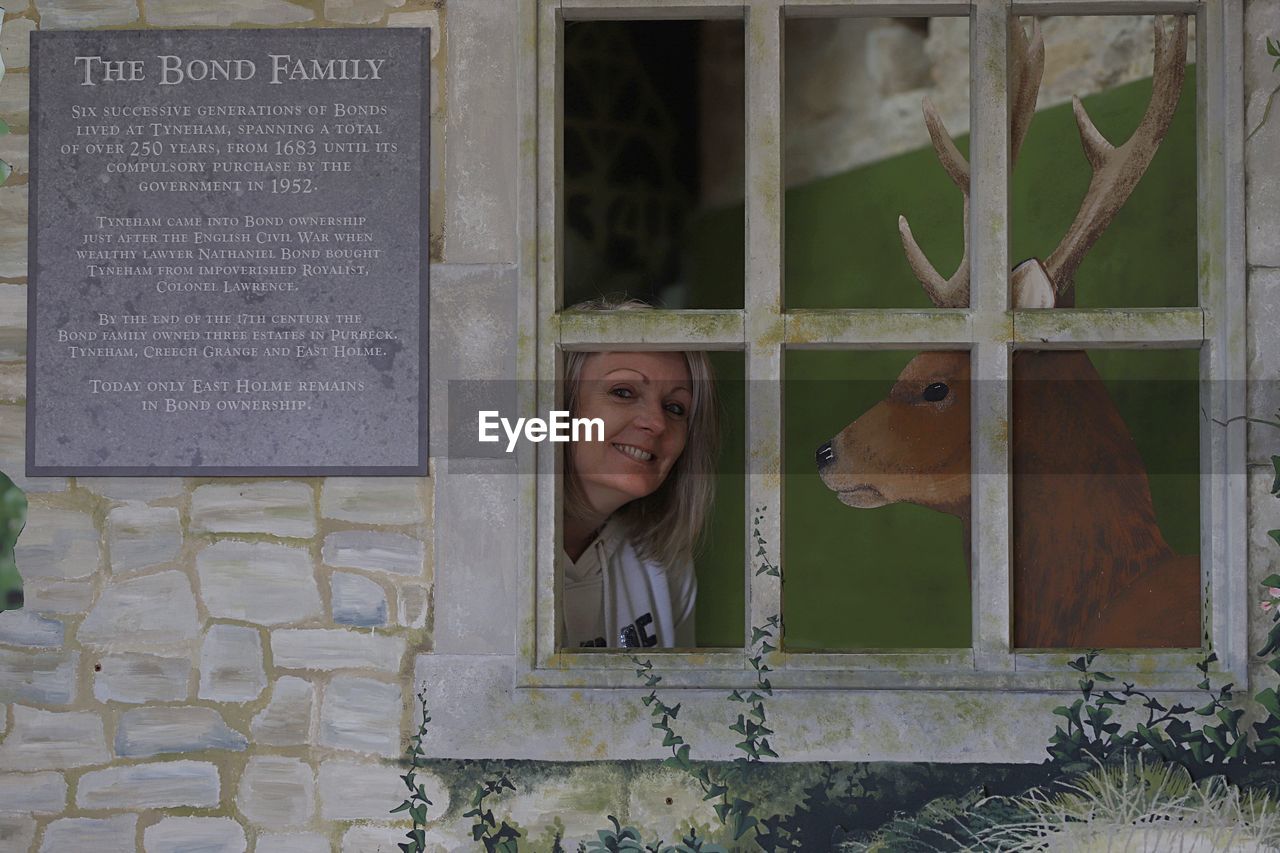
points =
(667, 525)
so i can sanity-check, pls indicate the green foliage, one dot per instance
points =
(751, 725)
(5, 168)
(1089, 732)
(1169, 733)
(1091, 735)
(619, 838)
(496, 837)
(766, 566)
(13, 516)
(416, 803)
(1273, 49)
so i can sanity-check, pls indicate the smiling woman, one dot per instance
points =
(636, 501)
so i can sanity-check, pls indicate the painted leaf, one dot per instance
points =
(1268, 700)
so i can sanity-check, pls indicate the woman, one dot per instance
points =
(636, 502)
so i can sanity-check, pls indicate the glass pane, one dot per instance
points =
(1144, 254)
(654, 514)
(721, 588)
(1106, 498)
(858, 155)
(652, 206)
(876, 500)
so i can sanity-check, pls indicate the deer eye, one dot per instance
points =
(936, 392)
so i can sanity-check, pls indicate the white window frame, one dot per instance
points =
(763, 331)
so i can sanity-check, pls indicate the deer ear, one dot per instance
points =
(1031, 285)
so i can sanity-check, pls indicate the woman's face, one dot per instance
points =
(644, 400)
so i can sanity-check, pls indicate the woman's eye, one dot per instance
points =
(936, 392)
(622, 392)
(676, 409)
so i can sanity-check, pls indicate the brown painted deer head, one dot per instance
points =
(1090, 565)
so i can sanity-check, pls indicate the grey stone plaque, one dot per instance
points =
(228, 252)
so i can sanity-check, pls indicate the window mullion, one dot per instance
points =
(763, 301)
(1223, 368)
(988, 252)
(550, 96)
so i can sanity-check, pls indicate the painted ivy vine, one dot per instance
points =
(752, 724)
(416, 803)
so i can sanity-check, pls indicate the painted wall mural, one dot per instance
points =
(239, 665)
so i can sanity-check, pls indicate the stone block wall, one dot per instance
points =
(204, 664)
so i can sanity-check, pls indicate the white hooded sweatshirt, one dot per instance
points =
(613, 598)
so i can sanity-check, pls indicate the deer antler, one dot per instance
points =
(1025, 70)
(952, 292)
(1116, 171)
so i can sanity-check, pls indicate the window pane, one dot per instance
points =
(874, 548)
(652, 206)
(858, 156)
(1146, 255)
(1106, 498)
(721, 589)
(654, 515)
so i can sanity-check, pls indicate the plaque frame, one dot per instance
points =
(419, 468)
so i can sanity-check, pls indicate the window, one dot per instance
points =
(774, 333)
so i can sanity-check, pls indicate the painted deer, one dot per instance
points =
(1090, 566)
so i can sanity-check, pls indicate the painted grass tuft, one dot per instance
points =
(1139, 807)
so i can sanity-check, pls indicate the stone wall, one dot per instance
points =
(231, 663)
(217, 662)
(853, 87)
